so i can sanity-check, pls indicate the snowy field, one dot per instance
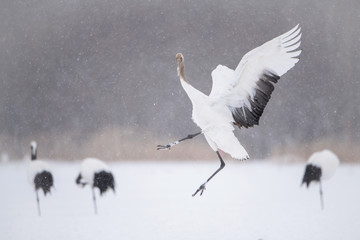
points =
(248, 200)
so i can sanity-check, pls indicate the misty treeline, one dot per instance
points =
(98, 77)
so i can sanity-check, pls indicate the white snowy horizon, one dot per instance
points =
(247, 200)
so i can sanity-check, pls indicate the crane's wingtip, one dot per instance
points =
(245, 158)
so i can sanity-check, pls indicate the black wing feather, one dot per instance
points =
(245, 117)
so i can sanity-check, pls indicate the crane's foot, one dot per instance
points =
(201, 189)
(163, 147)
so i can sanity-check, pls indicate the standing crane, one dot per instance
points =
(320, 166)
(39, 174)
(238, 97)
(97, 174)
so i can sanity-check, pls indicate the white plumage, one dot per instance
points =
(327, 161)
(36, 167)
(276, 56)
(238, 97)
(89, 167)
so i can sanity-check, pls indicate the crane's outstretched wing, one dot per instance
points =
(248, 89)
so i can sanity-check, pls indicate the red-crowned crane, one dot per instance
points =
(238, 97)
(320, 166)
(95, 173)
(39, 174)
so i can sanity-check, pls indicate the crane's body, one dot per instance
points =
(320, 166)
(238, 97)
(95, 173)
(327, 161)
(89, 167)
(216, 122)
(39, 174)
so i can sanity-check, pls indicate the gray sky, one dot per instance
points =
(70, 70)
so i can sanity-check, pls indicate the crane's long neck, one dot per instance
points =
(181, 71)
(33, 148)
(192, 92)
(33, 154)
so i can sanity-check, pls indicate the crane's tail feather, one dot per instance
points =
(312, 173)
(225, 140)
(104, 180)
(44, 180)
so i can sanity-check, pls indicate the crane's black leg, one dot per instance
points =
(168, 146)
(94, 200)
(321, 196)
(38, 202)
(202, 187)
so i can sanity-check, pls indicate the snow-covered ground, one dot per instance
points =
(247, 200)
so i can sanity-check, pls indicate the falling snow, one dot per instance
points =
(73, 68)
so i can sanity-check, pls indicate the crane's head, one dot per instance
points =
(80, 181)
(33, 148)
(179, 58)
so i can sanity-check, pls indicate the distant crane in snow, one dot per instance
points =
(95, 173)
(39, 174)
(238, 97)
(320, 166)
